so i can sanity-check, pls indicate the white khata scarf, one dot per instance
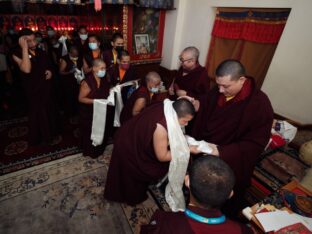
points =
(180, 155)
(100, 109)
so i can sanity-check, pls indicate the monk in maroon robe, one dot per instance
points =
(192, 79)
(110, 56)
(210, 181)
(94, 86)
(82, 41)
(36, 72)
(70, 86)
(236, 118)
(122, 72)
(94, 52)
(140, 155)
(142, 97)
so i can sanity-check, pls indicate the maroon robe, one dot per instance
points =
(88, 56)
(83, 48)
(178, 223)
(195, 83)
(38, 90)
(133, 163)
(70, 87)
(141, 92)
(86, 116)
(108, 58)
(241, 130)
(113, 72)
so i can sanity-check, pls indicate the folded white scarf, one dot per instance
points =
(100, 109)
(62, 40)
(180, 155)
(202, 146)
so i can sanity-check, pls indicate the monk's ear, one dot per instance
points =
(242, 79)
(187, 181)
(231, 194)
(112, 43)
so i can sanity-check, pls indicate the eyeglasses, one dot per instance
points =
(184, 60)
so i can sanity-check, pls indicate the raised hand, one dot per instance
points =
(22, 41)
(48, 74)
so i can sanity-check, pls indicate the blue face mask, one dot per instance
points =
(154, 90)
(101, 73)
(51, 33)
(93, 46)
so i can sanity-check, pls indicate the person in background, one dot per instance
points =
(210, 181)
(142, 97)
(82, 41)
(50, 31)
(70, 87)
(192, 79)
(122, 72)
(94, 52)
(236, 118)
(41, 43)
(111, 55)
(95, 86)
(36, 71)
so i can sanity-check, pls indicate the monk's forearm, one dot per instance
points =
(166, 157)
(86, 100)
(25, 65)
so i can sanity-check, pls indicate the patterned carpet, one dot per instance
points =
(275, 169)
(16, 154)
(66, 196)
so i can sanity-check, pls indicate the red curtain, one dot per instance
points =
(249, 35)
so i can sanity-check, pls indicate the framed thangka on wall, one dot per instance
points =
(145, 31)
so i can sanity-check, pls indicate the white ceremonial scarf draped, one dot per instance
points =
(79, 75)
(100, 109)
(180, 155)
(62, 40)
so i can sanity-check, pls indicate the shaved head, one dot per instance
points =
(232, 68)
(211, 181)
(152, 76)
(183, 107)
(193, 51)
(97, 62)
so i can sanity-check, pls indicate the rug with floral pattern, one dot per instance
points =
(66, 196)
(17, 154)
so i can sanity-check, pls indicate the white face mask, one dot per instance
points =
(73, 58)
(83, 36)
(51, 33)
(57, 45)
(154, 90)
(101, 73)
(93, 46)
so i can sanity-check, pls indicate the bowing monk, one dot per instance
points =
(192, 79)
(36, 72)
(95, 86)
(236, 118)
(210, 181)
(141, 97)
(141, 155)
